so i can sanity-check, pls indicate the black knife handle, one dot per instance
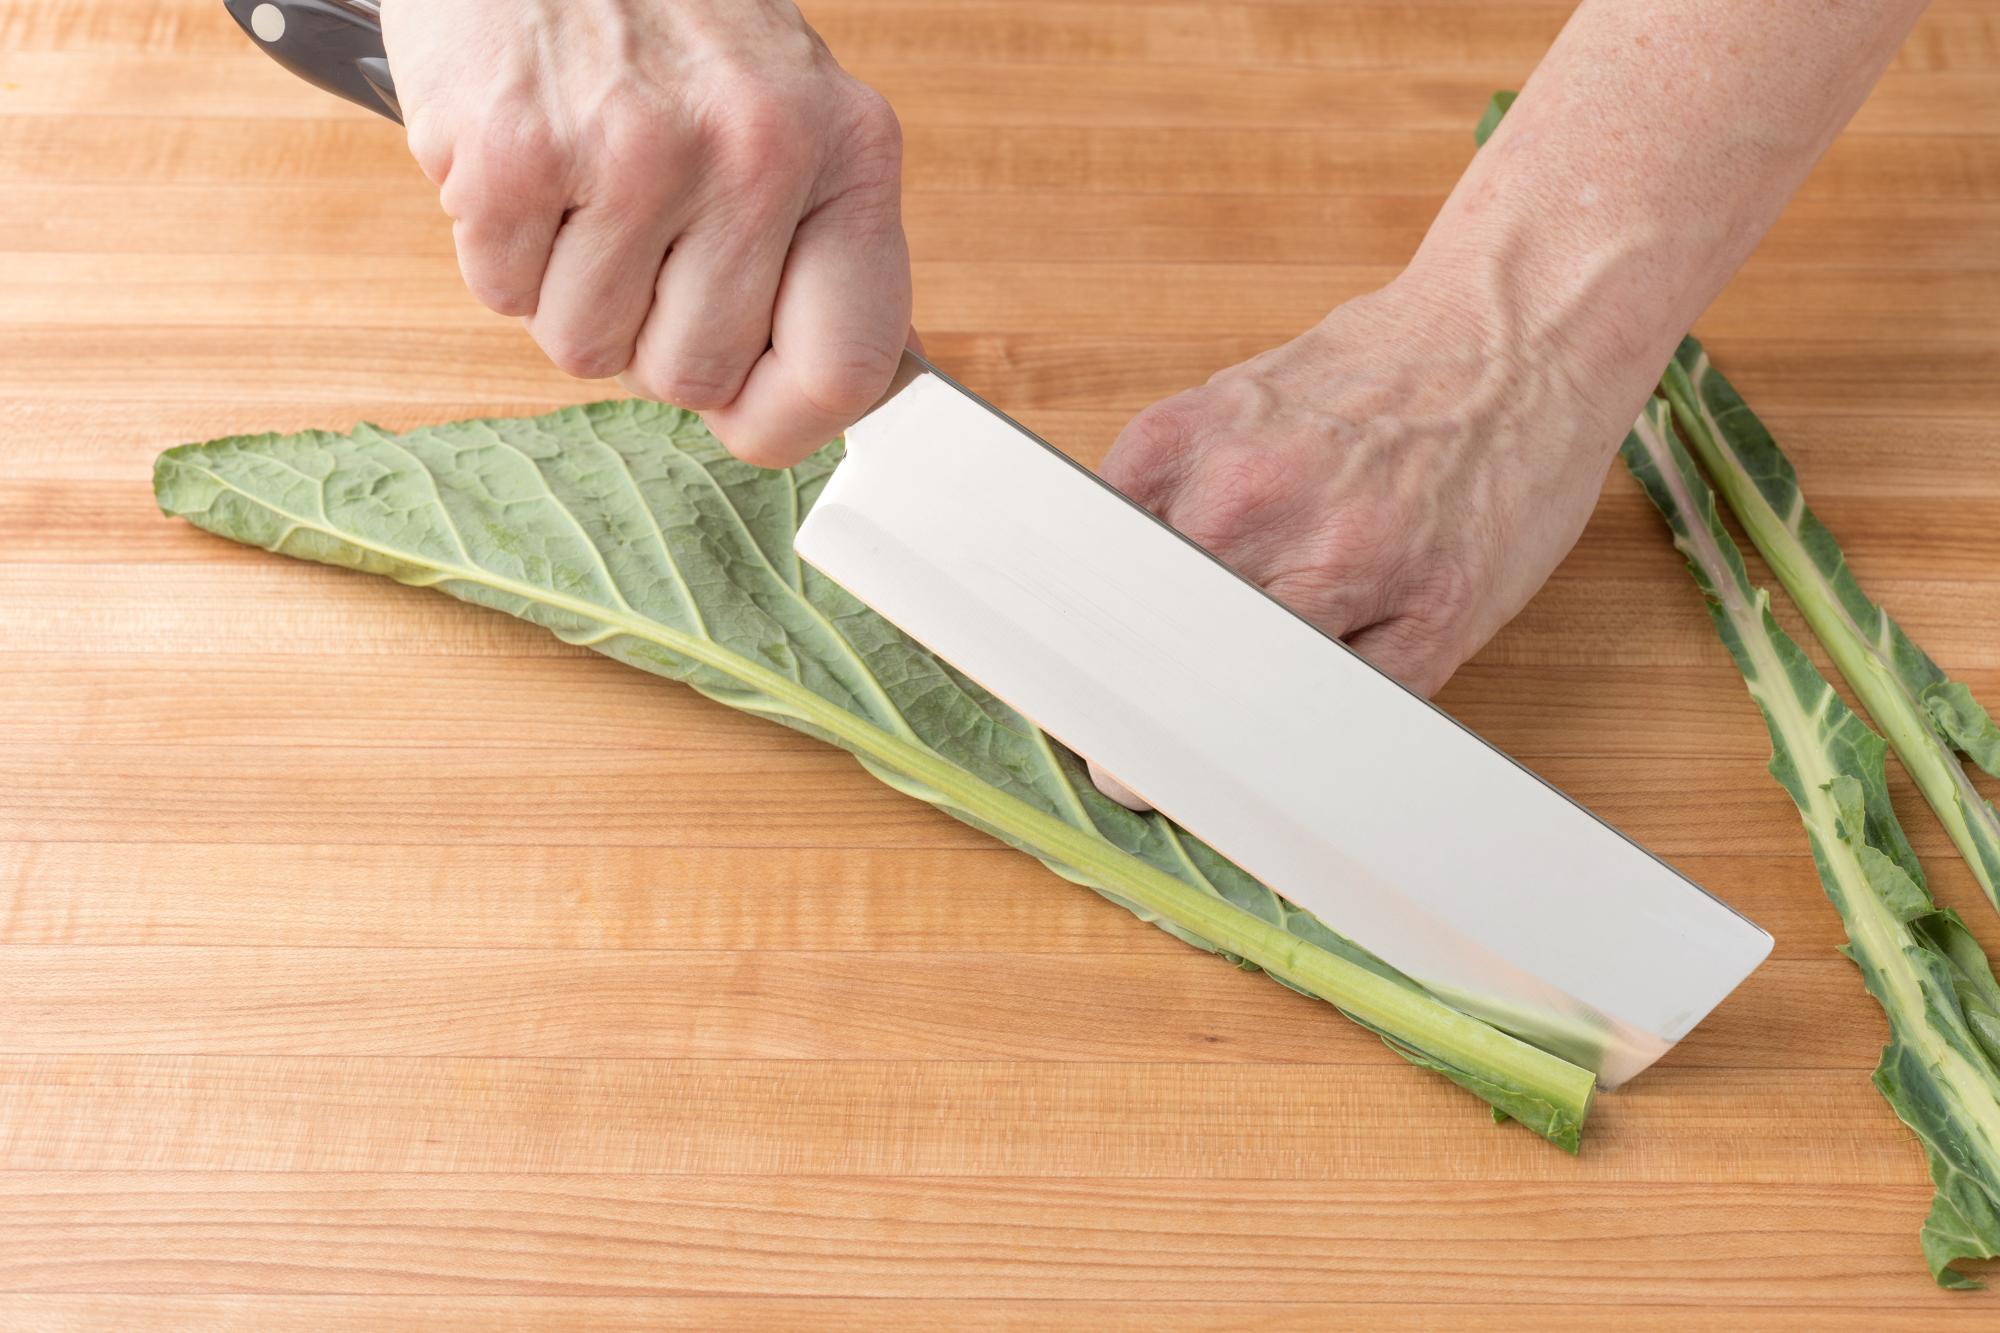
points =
(336, 44)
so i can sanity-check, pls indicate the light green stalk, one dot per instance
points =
(1925, 714)
(1941, 1068)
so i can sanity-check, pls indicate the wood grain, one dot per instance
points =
(1159, 1119)
(978, 1238)
(368, 959)
(482, 1314)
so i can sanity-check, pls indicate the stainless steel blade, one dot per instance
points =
(1285, 751)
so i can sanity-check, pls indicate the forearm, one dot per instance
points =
(1642, 163)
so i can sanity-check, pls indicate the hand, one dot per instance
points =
(1404, 475)
(690, 194)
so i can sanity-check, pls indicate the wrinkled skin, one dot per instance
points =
(1389, 474)
(1402, 475)
(693, 196)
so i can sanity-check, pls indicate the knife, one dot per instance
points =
(1351, 796)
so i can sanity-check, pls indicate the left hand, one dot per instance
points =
(1405, 475)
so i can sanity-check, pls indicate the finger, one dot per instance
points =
(711, 317)
(1409, 652)
(1337, 598)
(842, 316)
(599, 284)
(505, 192)
(1150, 459)
(1115, 789)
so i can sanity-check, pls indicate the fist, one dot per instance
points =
(688, 194)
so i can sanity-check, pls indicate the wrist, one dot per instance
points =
(1570, 372)
(1606, 308)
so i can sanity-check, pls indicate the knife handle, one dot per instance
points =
(336, 44)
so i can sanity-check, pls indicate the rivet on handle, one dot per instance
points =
(268, 22)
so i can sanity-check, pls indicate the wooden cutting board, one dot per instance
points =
(368, 957)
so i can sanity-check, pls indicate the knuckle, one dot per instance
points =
(641, 147)
(879, 125)
(431, 145)
(1414, 654)
(697, 380)
(763, 138)
(503, 299)
(1340, 571)
(492, 280)
(635, 381)
(1422, 670)
(754, 450)
(1162, 427)
(846, 379)
(1149, 460)
(1159, 434)
(1442, 595)
(577, 353)
(1255, 479)
(1233, 493)
(875, 143)
(759, 448)
(508, 163)
(1362, 538)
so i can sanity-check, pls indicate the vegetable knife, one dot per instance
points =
(1351, 796)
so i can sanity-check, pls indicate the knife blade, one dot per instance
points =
(1349, 795)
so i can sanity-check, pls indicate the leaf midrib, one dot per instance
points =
(1869, 924)
(1415, 1016)
(1972, 821)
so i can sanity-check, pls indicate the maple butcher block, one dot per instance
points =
(368, 957)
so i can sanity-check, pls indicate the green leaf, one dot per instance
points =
(1924, 714)
(1972, 979)
(1496, 107)
(1960, 720)
(1900, 893)
(1939, 1070)
(626, 528)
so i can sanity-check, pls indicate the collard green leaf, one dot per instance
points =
(1960, 720)
(626, 528)
(1938, 1070)
(1925, 715)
